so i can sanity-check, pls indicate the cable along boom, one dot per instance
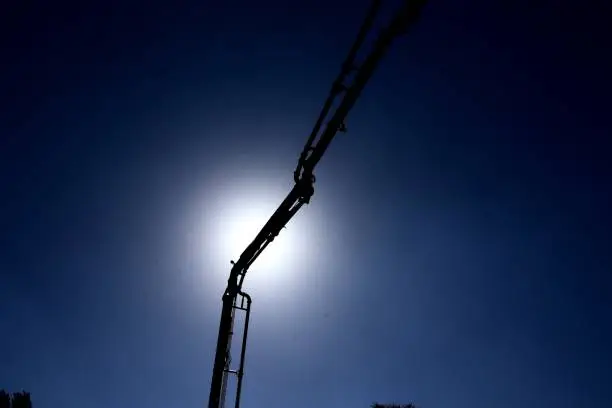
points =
(316, 145)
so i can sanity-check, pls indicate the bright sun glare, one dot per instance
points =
(240, 229)
(235, 221)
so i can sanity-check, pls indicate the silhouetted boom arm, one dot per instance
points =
(337, 87)
(400, 24)
(299, 195)
(303, 189)
(304, 178)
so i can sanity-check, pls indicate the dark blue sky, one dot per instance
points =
(458, 237)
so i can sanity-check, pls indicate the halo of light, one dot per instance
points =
(240, 209)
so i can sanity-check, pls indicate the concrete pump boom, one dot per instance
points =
(234, 298)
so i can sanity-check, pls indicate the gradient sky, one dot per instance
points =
(455, 252)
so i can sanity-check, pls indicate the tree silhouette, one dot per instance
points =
(16, 400)
(5, 399)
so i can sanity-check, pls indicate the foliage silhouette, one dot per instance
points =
(15, 400)
(5, 399)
